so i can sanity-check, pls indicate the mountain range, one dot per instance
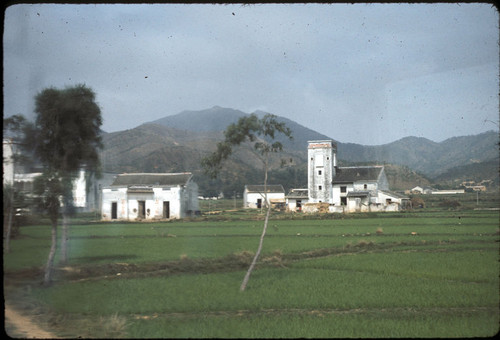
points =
(178, 143)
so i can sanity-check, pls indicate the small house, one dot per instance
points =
(365, 188)
(150, 196)
(355, 186)
(296, 198)
(254, 196)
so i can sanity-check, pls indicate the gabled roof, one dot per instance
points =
(394, 194)
(298, 193)
(152, 179)
(271, 188)
(357, 173)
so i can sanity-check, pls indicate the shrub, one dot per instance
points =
(450, 204)
(417, 202)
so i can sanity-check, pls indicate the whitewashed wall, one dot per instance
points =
(128, 203)
(250, 198)
(8, 165)
(79, 191)
(336, 194)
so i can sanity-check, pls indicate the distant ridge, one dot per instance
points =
(178, 143)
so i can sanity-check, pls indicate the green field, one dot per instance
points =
(428, 273)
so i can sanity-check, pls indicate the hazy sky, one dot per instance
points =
(363, 73)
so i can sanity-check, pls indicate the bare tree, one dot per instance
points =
(255, 130)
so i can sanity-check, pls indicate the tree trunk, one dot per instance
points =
(257, 254)
(261, 242)
(9, 223)
(64, 239)
(47, 279)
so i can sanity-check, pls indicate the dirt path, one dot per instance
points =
(19, 326)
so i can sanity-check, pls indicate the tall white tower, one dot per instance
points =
(322, 161)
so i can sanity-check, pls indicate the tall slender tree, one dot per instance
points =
(256, 131)
(65, 138)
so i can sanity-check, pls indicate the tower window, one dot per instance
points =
(320, 187)
(319, 172)
(365, 186)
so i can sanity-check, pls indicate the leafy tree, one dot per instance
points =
(260, 132)
(65, 138)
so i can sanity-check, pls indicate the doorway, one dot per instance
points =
(142, 209)
(166, 209)
(114, 210)
(259, 203)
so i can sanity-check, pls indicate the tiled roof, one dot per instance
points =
(353, 174)
(271, 188)
(394, 194)
(152, 179)
(358, 193)
(298, 193)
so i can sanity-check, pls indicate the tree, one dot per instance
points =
(256, 131)
(65, 138)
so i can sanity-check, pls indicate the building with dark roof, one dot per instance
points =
(347, 189)
(150, 196)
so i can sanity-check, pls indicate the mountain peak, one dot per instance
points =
(213, 119)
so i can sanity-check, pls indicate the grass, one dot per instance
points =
(357, 276)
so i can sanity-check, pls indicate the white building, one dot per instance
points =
(346, 189)
(296, 198)
(86, 188)
(8, 164)
(150, 196)
(321, 170)
(253, 196)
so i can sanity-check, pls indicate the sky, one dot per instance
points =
(360, 73)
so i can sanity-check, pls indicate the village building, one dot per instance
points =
(448, 192)
(150, 196)
(254, 196)
(416, 190)
(321, 168)
(86, 187)
(296, 198)
(422, 190)
(346, 189)
(8, 164)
